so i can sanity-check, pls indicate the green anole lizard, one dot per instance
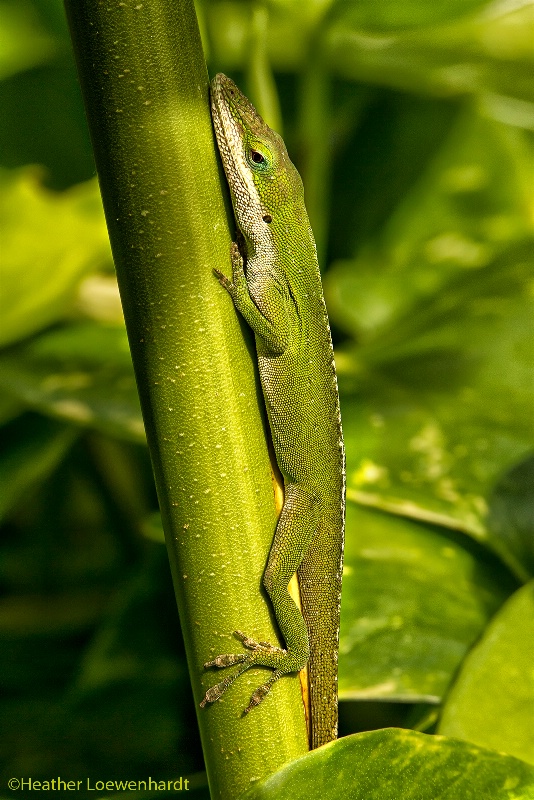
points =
(276, 287)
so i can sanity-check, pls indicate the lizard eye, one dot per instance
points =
(257, 157)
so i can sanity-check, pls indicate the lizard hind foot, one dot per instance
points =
(259, 651)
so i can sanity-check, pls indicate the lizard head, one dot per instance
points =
(264, 184)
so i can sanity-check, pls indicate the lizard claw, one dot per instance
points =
(262, 691)
(223, 280)
(252, 644)
(225, 661)
(215, 692)
(256, 699)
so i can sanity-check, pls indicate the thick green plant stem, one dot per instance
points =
(145, 86)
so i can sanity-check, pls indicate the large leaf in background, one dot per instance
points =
(23, 42)
(391, 15)
(49, 240)
(443, 48)
(393, 763)
(492, 701)
(472, 202)
(414, 601)
(401, 459)
(29, 455)
(81, 373)
(113, 693)
(439, 421)
(134, 670)
(511, 512)
(431, 418)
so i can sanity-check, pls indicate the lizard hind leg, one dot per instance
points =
(296, 528)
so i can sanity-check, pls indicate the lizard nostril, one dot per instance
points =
(267, 218)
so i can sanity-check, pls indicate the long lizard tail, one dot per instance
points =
(320, 588)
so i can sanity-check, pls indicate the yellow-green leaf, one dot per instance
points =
(492, 702)
(392, 764)
(414, 600)
(49, 241)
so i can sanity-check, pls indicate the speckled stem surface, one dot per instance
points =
(145, 87)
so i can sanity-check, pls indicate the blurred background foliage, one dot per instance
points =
(411, 123)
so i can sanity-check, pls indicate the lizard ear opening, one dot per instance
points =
(267, 218)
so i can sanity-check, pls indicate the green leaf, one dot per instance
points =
(492, 700)
(431, 459)
(393, 763)
(9, 409)
(32, 448)
(471, 204)
(81, 373)
(23, 42)
(49, 241)
(441, 48)
(511, 513)
(414, 600)
(391, 14)
(434, 429)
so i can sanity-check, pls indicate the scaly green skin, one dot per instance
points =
(276, 286)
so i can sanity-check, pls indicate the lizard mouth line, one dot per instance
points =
(229, 134)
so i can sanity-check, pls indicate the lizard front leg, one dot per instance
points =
(266, 314)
